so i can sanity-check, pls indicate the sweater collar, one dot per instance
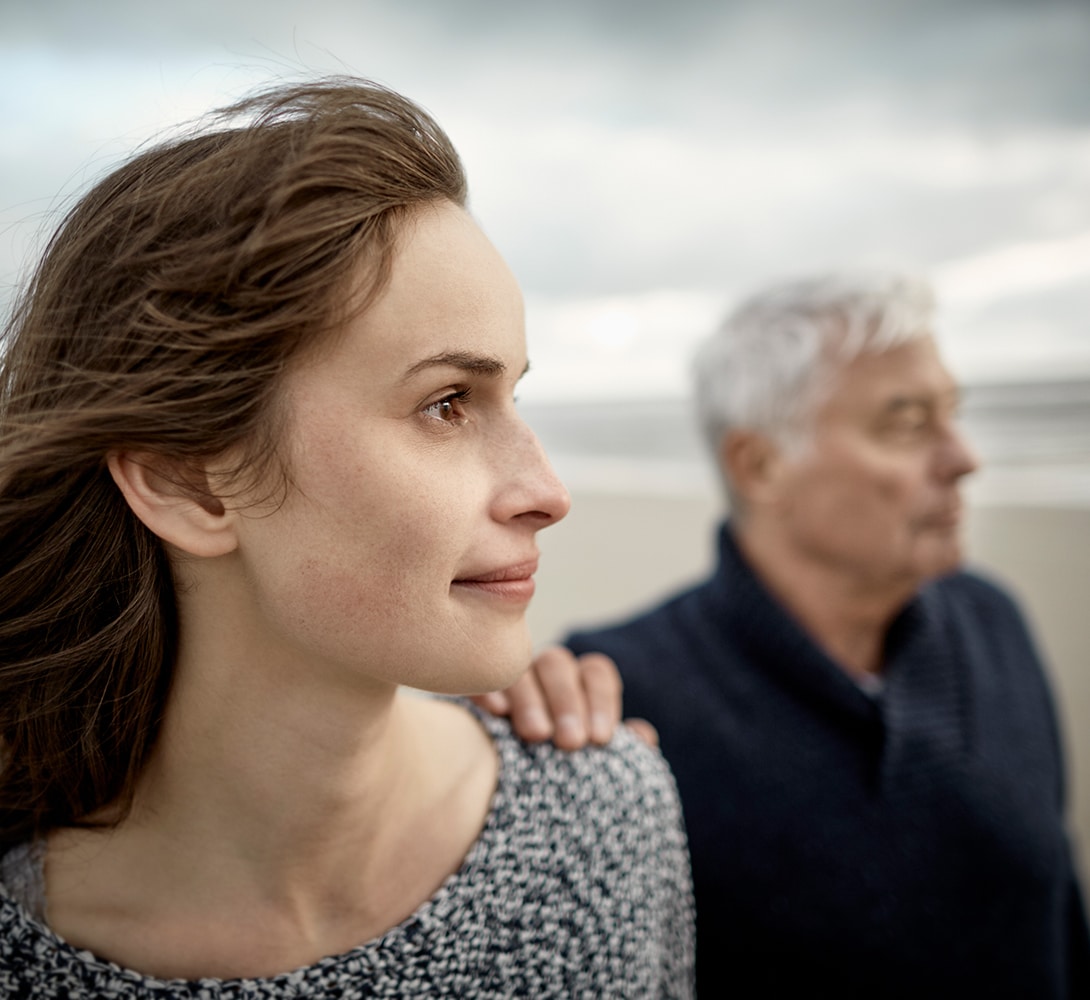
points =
(917, 644)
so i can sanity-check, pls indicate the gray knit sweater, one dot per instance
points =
(578, 886)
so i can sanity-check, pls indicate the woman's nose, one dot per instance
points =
(532, 491)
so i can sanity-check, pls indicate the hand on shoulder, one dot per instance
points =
(571, 699)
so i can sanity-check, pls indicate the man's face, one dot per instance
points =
(875, 494)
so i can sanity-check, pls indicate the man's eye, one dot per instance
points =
(450, 409)
(909, 421)
(910, 425)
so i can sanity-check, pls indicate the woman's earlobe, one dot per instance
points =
(168, 501)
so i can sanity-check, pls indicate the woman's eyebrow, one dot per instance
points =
(475, 364)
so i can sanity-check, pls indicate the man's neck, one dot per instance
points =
(846, 617)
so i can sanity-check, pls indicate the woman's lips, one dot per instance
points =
(511, 583)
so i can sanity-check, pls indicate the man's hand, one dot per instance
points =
(571, 699)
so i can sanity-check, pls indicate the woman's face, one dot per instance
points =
(405, 549)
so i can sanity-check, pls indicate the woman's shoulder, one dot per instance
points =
(577, 885)
(597, 785)
(595, 840)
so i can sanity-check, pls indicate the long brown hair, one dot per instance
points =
(161, 318)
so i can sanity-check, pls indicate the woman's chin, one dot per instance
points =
(491, 668)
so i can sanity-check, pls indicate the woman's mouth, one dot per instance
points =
(510, 583)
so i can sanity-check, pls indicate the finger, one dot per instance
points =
(644, 730)
(530, 718)
(494, 702)
(602, 690)
(561, 678)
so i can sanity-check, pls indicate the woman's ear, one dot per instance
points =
(174, 502)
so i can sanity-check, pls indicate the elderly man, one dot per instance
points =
(861, 732)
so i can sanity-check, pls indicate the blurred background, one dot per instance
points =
(641, 165)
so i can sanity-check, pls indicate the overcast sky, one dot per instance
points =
(642, 164)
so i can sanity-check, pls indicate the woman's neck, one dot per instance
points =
(315, 822)
(268, 753)
(281, 778)
(292, 807)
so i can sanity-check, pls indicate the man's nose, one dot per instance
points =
(957, 457)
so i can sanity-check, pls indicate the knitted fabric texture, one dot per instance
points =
(578, 886)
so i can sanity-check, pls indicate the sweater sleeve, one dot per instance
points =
(679, 966)
(1004, 621)
(661, 851)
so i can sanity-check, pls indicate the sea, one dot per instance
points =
(1033, 439)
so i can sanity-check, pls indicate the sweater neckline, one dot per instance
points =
(747, 612)
(15, 919)
(923, 707)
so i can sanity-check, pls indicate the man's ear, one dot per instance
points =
(751, 461)
(174, 502)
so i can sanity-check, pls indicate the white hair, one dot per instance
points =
(767, 366)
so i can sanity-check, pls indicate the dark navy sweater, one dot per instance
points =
(908, 844)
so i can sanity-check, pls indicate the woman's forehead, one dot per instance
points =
(449, 296)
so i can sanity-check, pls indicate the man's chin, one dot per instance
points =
(946, 558)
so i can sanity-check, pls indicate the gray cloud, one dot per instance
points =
(618, 147)
(991, 60)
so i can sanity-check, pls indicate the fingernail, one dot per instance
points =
(570, 728)
(600, 727)
(537, 720)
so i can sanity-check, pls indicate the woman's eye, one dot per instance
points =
(442, 410)
(449, 409)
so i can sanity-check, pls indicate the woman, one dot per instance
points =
(261, 467)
